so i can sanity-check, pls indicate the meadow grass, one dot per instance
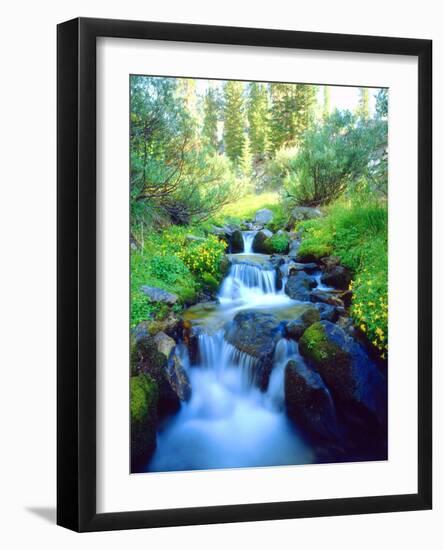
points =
(247, 206)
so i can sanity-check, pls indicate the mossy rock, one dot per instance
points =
(353, 379)
(295, 329)
(323, 344)
(308, 402)
(147, 359)
(143, 407)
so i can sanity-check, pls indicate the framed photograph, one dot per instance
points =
(244, 274)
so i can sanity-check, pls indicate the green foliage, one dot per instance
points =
(211, 184)
(144, 396)
(357, 234)
(209, 281)
(277, 244)
(292, 113)
(334, 156)
(211, 111)
(258, 118)
(246, 159)
(156, 264)
(174, 176)
(203, 257)
(169, 269)
(279, 167)
(247, 206)
(326, 102)
(381, 103)
(234, 120)
(363, 110)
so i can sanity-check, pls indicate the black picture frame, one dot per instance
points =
(76, 281)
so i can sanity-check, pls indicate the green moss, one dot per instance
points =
(144, 396)
(314, 345)
(144, 352)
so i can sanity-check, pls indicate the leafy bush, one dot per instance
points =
(280, 166)
(278, 243)
(203, 256)
(334, 155)
(152, 265)
(357, 234)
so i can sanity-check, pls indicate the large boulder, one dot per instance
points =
(308, 402)
(337, 276)
(356, 384)
(295, 328)
(256, 334)
(178, 378)
(294, 245)
(159, 295)
(147, 359)
(327, 312)
(325, 297)
(165, 344)
(236, 242)
(300, 213)
(299, 285)
(143, 401)
(259, 244)
(291, 267)
(263, 216)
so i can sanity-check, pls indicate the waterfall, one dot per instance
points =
(229, 422)
(216, 354)
(246, 277)
(248, 239)
(275, 395)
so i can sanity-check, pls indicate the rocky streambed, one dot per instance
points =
(269, 373)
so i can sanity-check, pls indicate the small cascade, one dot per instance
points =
(248, 239)
(229, 421)
(244, 277)
(216, 354)
(275, 394)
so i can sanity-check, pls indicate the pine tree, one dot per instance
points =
(283, 111)
(326, 102)
(292, 113)
(210, 118)
(258, 119)
(306, 98)
(234, 123)
(381, 103)
(362, 110)
(246, 158)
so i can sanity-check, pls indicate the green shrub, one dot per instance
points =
(277, 244)
(334, 156)
(357, 234)
(209, 282)
(203, 256)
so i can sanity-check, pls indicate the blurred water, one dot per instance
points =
(228, 421)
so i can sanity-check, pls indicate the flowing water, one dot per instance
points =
(228, 421)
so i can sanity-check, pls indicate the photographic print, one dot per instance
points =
(259, 274)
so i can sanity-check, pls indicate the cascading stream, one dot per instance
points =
(228, 421)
